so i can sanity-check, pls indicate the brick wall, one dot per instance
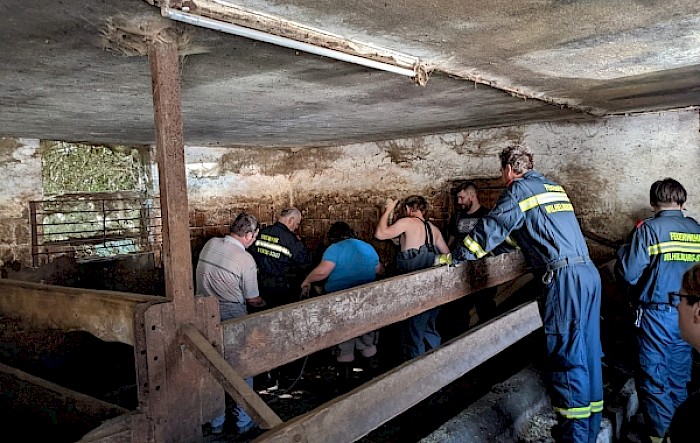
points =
(361, 212)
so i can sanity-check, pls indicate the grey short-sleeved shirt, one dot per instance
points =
(226, 270)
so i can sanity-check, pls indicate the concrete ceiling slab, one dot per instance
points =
(60, 78)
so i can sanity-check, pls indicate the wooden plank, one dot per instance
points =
(259, 342)
(157, 346)
(183, 376)
(356, 413)
(122, 429)
(170, 154)
(209, 322)
(33, 221)
(42, 398)
(140, 355)
(186, 391)
(232, 382)
(173, 398)
(141, 429)
(108, 315)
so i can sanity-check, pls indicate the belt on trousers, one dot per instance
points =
(568, 261)
(658, 306)
(548, 276)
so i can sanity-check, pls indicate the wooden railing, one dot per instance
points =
(259, 342)
(107, 315)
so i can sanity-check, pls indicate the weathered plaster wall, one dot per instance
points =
(609, 166)
(606, 166)
(347, 183)
(20, 169)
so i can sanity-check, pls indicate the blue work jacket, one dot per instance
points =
(538, 215)
(659, 251)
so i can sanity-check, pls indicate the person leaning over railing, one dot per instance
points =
(540, 217)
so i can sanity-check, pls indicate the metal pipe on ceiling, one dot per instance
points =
(253, 34)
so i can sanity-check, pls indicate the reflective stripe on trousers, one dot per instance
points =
(572, 328)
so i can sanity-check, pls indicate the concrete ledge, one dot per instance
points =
(500, 415)
(506, 413)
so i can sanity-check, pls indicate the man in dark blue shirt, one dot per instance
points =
(539, 216)
(659, 251)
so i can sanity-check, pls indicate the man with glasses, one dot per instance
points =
(660, 249)
(540, 217)
(684, 425)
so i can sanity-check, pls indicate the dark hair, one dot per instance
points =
(244, 224)
(416, 202)
(464, 186)
(667, 191)
(340, 231)
(519, 158)
(691, 282)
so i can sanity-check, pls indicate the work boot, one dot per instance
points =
(247, 428)
(345, 376)
(373, 366)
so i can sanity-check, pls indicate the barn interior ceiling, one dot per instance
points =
(77, 70)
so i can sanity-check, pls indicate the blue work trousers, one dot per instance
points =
(665, 362)
(417, 331)
(572, 328)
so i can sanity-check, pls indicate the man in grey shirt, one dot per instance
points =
(227, 271)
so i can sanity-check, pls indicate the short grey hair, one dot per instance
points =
(244, 224)
(290, 212)
(519, 157)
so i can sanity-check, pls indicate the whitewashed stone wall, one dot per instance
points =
(606, 166)
(20, 175)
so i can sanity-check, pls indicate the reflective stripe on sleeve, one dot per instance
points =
(474, 247)
(511, 241)
(542, 199)
(596, 407)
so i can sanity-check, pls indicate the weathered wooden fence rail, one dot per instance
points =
(108, 315)
(262, 341)
(349, 417)
(259, 342)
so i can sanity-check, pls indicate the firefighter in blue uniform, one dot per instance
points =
(538, 215)
(659, 251)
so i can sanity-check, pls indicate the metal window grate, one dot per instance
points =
(95, 227)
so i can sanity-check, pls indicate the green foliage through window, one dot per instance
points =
(97, 202)
(75, 168)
